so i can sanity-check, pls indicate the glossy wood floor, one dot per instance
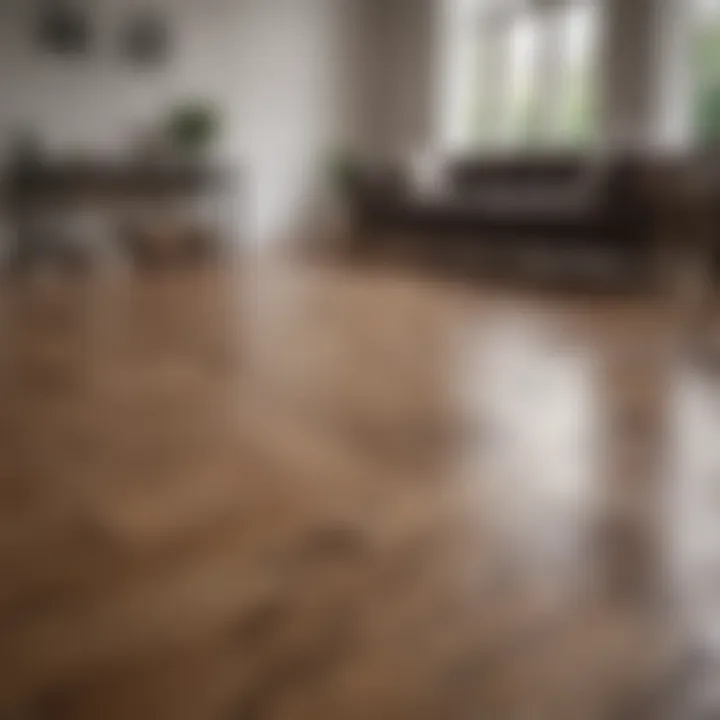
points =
(352, 493)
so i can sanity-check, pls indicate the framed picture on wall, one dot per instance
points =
(64, 28)
(145, 40)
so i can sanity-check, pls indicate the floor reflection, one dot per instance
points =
(693, 529)
(538, 467)
(319, 492)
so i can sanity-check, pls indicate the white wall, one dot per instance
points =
(275, 66)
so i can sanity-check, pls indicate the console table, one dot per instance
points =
(152, 212)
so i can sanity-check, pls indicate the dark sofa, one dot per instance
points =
(558, 200)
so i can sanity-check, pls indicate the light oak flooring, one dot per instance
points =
(342, 493)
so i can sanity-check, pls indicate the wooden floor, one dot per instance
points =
(335, 493)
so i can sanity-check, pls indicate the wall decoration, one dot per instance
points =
(145, 41)
(64, 28)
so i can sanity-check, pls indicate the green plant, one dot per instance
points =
(194, 125)
(707, 84)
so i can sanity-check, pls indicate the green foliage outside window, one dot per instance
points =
(706, 63)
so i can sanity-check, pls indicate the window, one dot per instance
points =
(706, 72)
(522, 73)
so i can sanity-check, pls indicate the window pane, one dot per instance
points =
(530, 76)
(577, 111)
(521, 112)
(491, 91)
(706, 71)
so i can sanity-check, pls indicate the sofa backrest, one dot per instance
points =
(468, 174)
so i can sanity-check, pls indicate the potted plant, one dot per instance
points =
(193, 126)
